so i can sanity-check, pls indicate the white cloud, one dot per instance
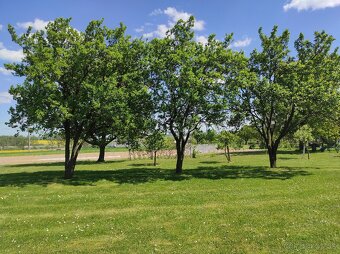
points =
(139, 29)
(10, 55)
(159, 32)
(176, 15)
(5, 97)
(5, 71)
(37, 24)
(241, 43)
(156, 12)
(148, 35)
(301, 5)
(173, 16)
(1, 26)
(202, 39)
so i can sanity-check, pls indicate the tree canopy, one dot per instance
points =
(284, 92)
(100, 85)
(189, 82)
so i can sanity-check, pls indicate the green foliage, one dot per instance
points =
(154, 141)
(304, 134)
(186, 82)
(80, 85)
(207, 137)
(13, 141)
(120, 101)
(100, 85)
(247, 133)
(225, 138)
(283, 92)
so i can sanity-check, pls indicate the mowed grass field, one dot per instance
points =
(214, 207)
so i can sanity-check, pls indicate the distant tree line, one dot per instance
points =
(13, 141)
(101, 85)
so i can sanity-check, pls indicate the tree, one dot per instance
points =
(153, 143)
(225, 139)
(57, 95)
(121, 98)
(304, 135)
(247, 133)
(186, 83)
(282, 93)
(327, 131)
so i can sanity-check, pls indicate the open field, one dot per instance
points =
(133, 207)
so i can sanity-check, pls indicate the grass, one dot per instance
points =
(4, 153)
(133, 207)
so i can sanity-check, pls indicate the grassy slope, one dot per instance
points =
(131, 207)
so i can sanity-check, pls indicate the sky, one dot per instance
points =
(149, 19)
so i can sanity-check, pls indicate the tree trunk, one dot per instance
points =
(307, 151)
(180, 147)
(228, 153)
(101, 157)
(304, 149)
(154, 158)
(272, 156)
(71, 163)
(70, 156)
(68, 169)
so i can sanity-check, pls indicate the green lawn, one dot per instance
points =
(5, 153)
(133, 207)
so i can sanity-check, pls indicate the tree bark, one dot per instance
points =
(101, 157)
(180, 147)
(130, 155)
(304, 149)
(154, 158)
(68, 173)
(272, 150)
(71, 156)
(307, 151)
(228, 153)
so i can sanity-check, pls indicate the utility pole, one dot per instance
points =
(29, 139)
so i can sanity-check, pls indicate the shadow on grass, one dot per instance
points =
(263, 151)
(141, 164)
(286, 158)
(210, 162)
(145, 175)
(61, 164)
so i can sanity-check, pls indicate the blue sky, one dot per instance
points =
(151, 18)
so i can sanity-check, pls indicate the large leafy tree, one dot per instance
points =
(283, 93)
(120, 100)
(187, 86)
(58, 94)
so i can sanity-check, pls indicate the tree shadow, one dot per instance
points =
(145, 175)
(61, 163)
(210, 162)
(141, 164)
(264, 151)
(286, 158)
